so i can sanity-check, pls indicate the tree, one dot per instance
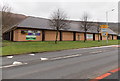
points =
(58, 21)
(85, 24)
(6, 17)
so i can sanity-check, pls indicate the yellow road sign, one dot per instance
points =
(103, 26)
(104, 33)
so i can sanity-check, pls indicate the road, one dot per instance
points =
(84, 63)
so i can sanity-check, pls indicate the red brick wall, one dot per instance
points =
(110, 37)
(103, 38)
(115, 37)
(96, 36)
(51, 35)
(79, 36)
(67, 36)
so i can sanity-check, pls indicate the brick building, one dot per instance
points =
(38, 29)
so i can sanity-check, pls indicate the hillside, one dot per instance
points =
(10, 19)
(17, 18)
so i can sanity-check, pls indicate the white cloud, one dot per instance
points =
(74, 8)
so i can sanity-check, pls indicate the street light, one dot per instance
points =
(107, 15)
(107, 21)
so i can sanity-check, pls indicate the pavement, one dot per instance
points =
(84, 63)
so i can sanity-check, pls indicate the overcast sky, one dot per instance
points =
(74, 8)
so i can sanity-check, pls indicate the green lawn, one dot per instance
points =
(10, 48)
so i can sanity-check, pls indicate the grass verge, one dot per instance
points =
(12, 48)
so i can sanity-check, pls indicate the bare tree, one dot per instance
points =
(58, 20)
(85, 24)
(6, 16)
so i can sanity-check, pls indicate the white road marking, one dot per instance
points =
(12, 65)
(7, 66)
(97, 47)
(96, 52)
(68, 56)
(32, 54)
(43, 58)
(10, 57)
(17, 63)
(102, 47)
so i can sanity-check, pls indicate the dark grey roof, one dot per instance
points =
(42, 23)
(111, 32)
(35, 22)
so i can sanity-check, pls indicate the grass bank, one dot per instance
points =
(11, 48)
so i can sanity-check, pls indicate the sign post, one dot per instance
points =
(104, 32)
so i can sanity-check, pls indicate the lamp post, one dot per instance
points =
(107, 21)
(107, 15)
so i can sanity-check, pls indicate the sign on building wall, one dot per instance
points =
(89, 36)
(30, 37)
(30, 34)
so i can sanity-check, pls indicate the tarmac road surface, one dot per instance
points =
(86, 63)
